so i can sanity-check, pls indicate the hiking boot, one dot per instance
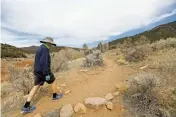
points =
(28, 109)
(58, 96)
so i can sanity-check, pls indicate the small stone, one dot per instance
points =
(38, 115)
(144, 67)
(80, 108)
(95, 102)
(67, 92)
(58, 87)
(63, 85)
(109, 105)
(116, 93)
(66, 111)
(109, 96)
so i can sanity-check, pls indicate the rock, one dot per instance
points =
(66, 111)
(53, 113)
(122, 62)
(144, 67)
(63, 85)
(109, 105)
(109, 96)
(95, 102)
(80, 108)
(116, 93)
(58, 87)
(38, 115)
(67, 92)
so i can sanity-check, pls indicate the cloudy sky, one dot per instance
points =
(75, 22)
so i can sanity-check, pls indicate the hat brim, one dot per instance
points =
(48, 42)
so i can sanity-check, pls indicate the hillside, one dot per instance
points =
(11, 51)
(163, 31)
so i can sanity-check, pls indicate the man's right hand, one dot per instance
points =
(47, 78)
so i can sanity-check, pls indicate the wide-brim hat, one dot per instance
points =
(48, 40)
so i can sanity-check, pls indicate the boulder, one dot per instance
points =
(109, 97)
(116, 93)
(66, 111)
(95, 102)
(80, 108)
(109, 105)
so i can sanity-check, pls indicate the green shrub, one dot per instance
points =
(11, 51)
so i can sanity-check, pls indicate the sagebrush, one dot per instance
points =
(22, 80)
(145, 95)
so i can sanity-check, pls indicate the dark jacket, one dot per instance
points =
(42, 61)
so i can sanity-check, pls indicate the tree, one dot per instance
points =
(100, 47)
(85, 47)
(106, 47)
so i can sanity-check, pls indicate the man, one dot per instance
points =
(42, 72)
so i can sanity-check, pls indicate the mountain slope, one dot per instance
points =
(157, 33)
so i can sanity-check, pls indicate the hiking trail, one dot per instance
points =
(91, 82)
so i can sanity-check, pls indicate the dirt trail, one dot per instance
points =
(94, 82)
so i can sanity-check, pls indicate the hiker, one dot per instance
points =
(42, 73)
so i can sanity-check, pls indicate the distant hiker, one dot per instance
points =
(42, 72)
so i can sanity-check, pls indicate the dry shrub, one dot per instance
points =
(140, 97)
(141, 41)
(162, 44)
(139, 53)
(74, 54)
(22, 80)
(60, 61)
(164, 60)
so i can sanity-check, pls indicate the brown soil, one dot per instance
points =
(19, 64)
(94, 82)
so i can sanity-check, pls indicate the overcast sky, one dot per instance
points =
(75, 22)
